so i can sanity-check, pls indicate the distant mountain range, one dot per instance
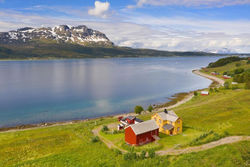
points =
(81, 35)
(70, 42)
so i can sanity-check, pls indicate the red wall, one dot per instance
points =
(144, 138)
(130, 136)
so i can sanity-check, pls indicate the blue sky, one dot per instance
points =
(182, 25)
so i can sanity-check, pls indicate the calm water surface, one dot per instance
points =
(59, 90)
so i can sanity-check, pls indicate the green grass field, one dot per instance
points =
(220, 114)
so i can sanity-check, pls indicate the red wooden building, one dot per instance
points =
(142, 133)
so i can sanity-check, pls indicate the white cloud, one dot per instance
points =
(100, 9)
(188, 3)
(174, 34)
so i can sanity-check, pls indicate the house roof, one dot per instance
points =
(168, 127)
(138, 120)
(128, 117)
(144, 127)
(170, 116)
(205, 92)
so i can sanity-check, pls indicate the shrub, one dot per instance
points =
(226, 85)
(195, 93)
(95, 139)
(105, 128)
(138, 109)
(151, 153)
(129, 156)
(216, 89)
(117, 152)
(150, 108)
(248, 61)
(247, 86)
(239, 70)
(211, 90)
(235, 87)
(143, 154)
(238, 64)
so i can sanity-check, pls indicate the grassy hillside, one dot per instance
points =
(51, 50)
(223, 113)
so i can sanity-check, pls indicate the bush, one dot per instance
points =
(226, 85)
(195, 93)
(238, 64)
(216, 89)
(95, 139)
(211, 90)
(138, 109)
(239, 70)
(105, 128)
(151, 153)
(117, 152)
(143, 154)
(235, 87)
(248, 62)
(130, 156)
(247, 86)
(150, 108)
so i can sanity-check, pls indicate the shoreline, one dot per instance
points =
(188, 97)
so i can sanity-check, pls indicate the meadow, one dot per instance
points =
(225, 112)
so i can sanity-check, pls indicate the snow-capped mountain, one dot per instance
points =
(80, 35)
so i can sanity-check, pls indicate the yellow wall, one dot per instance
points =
(177, 124)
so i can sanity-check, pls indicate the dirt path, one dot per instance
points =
(213, 78)
(109, 144)
(226, 140)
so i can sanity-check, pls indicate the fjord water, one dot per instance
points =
(60, 90)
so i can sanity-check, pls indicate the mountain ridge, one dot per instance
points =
(81, 35)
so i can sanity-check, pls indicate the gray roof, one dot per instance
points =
(128, 117)
(168, 127)
(170, 116)
(144, 127)
(138, 120)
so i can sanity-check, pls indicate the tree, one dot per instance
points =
(138, 109)
(195, 93)
(150, 108)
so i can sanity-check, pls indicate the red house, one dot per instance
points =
(142, 133)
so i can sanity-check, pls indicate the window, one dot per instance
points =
(178, 129)
(159, 121)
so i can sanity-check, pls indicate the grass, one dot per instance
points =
(205, 118)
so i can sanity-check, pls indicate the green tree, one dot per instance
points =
(150, 108)
(195, 93)
(138, 109)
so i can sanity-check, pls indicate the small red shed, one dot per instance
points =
(142, 133)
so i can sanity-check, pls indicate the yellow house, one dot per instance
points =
(168, 122)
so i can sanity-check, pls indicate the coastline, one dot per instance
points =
(185, 99)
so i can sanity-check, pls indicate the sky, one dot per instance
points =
(174, 25)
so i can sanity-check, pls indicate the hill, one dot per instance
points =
(225, 112)
(70, 42)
